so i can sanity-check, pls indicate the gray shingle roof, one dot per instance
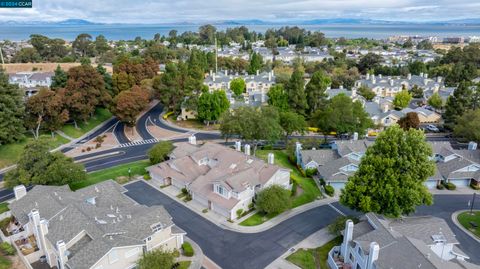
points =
(112, 221)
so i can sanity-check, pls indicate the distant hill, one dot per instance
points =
(64, 22)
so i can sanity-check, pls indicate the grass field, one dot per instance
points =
(10, 153)
(309, 258)
(137, 168)
(465, 218)
(4, 207)
(5, 263)
(101, 115)
(308, 186)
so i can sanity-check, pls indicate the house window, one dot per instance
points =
(220, 190)
(112, 256)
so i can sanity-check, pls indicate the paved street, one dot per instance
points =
(231, 249)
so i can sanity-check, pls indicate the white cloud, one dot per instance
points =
(151, 11)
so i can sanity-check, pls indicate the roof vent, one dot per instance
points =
(91, 201)
(439, 238)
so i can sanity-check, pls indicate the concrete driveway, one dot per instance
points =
(231, 249)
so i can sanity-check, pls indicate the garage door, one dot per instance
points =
(431, 184)
(460, 182)
(337, 185)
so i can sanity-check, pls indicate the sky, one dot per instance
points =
(171, 11)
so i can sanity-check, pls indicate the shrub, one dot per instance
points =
(88, 148)
(310, 172)
(188, 197)
(450, 186)
(147, 177)
(99, 139)
(239, 213)
(98, 145)
(440, 187)
(160, 152)
(205, 210)
(7, 249)
(83, 150)
(251, 206)
(474, 186)
(273, 199)
(339, 224)
(329, 190)
(187, 249)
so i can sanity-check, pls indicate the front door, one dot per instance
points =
(209, 204)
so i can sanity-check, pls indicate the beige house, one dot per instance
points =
(97, 227)
(219, 178)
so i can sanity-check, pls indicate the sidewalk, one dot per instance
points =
(460, 190)
(315, 240)
(198, 257)
(222, 221)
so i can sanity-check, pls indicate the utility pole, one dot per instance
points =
(473, 202)
(216, 55)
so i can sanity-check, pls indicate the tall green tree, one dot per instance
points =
(38, 166)
(12, 111)
(342, 115)
(292, 122)
(296, 92)
(45, 110)
(435, 101)
(256, 63)
(160, 152)
(238, 86)
(402, 99)
(315, 90)
(59, 79)
(468, 126)
(390, 178)
(83, 45)
(278, 97)
(463, 99)
(101, 45)
(128, 105)
(212, 105)
(366, 92)
(273, 200)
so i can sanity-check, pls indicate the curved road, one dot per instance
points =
(239, 250)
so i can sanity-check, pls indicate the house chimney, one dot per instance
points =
(273, 73)
(421, 74)
(409, 76)
(384, 108)
(211, 72)
(436, 88)
(391, 82)
(347, 237)
(341, 87)
(298, 148)
(439, 79)
(20, 191)
(472, 145)
(354, 92)
(238, 145)
(34, 220)
(355, 136)
(192, 139)
(258, 72)
(62, 253)
(368, 76)
(226, 73)
(372, 255)
(270, 76)
(41, 241)
(425, 81)
(380, 76)
(247, 149)
(425, 75)
(271, 158)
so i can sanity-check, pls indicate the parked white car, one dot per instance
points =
(432, 128)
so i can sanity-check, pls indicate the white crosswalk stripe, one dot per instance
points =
(137, 143)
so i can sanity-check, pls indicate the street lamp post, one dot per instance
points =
(129, 173)
(473, 202)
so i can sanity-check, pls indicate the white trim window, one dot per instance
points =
(221, 190)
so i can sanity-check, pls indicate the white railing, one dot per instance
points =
(331, 261)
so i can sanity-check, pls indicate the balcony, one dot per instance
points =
(335, 260)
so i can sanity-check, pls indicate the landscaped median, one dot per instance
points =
(470, 221)
(304, 190)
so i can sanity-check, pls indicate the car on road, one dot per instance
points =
(432, 128)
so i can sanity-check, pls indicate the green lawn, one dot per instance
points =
(310, 191)
(465, 218)
(4, 207)
(5, 263)
(184, 264)
(305, 258)
(137, 168)
(101, 115)
(10, 153)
